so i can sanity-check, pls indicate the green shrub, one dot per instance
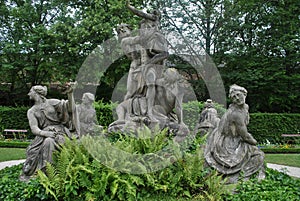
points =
(75, 175)
(105, 112)
(13, 189)
(280, 150)
(276, 186)
(14, 144)
(13, 118)
(265, 126)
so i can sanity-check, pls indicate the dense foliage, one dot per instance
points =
(256, 43)
(265, 126)
(76, 175)
(276, 186)
(13, 118)
(48, 41)
(13, 189)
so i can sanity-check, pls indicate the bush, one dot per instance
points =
(13, 189)
(14, 144)
(75, 175)
(13, 118)
(276, 186)
(104, 112)
(265, 126)
(280, 150)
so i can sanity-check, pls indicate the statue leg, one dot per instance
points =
(131, 85)
(151, 93)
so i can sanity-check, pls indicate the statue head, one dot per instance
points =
(208, 103)
(123, 30)
(88, 98)
(37, 92)
(237, 94)
(171, 75)
(41, 90)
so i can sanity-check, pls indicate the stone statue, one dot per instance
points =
(208, 119)
(131, 48)
(230, 149)
(153, 52)
(153, 91)
(87, 115)
(50, 120)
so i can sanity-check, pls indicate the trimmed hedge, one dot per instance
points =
(14, 144)
(262, 125)
(270, 126)
(281, 151)
(13, 118)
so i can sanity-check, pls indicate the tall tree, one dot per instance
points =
(259, 43)
(45, 41)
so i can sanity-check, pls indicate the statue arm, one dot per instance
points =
(141, 13)
(178, 107)
(241, 129)
(33, 123)
(72, 108)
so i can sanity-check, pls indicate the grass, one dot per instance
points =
(283, 159)
(7, 154)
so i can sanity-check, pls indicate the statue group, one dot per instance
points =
(154, 91)
(153, 99)
(52, 121)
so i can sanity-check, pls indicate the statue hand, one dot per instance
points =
(47, 134)
(69, 87)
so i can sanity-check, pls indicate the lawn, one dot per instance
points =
(284, 159)
(7, 154)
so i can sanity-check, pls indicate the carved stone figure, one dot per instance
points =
(153, 52)
(133, 113)
(87, 115)
(131, 48)
(230, 149)
(208, 119)
(50, 120)
(153, 92)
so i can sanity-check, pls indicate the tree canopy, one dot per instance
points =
(254, 43)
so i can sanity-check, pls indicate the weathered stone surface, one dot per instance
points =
(87, 116)
(230, 149)
(153, 90)
(50, 121)
(208, 119)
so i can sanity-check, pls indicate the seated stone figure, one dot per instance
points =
(50, 120)
(208, 119)
(230, 149)
(87, 115)
(167, 107)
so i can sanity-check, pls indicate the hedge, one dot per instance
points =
(263, 126)
(281, 150)
(270, 126)
(14, 144)
(13, 118)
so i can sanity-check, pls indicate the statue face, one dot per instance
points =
(32, 94)
(238, 97)
(85, 100)
(124, 31)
